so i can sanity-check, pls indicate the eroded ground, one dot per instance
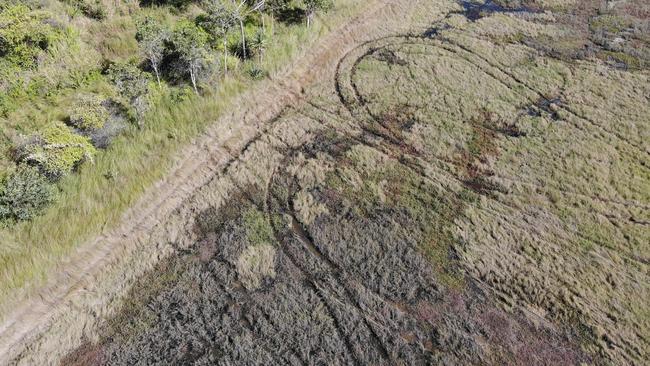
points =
(459, 195)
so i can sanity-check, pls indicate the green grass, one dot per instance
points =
(258, 229)
(89, 202)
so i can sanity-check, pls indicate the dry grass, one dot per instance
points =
(462, 199)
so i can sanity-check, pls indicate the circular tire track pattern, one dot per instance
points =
(371, 241)
(615, 344)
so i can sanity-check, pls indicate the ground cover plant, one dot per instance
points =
(449, 192)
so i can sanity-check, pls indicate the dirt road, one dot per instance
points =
(92, 280)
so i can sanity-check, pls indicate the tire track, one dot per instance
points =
(197, 165)
(331, 268)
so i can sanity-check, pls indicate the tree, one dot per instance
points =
(272, 7)
(218, 23)
(313, 6)
(151, 37)
(190, 41)
(240, 13)
(24, 193)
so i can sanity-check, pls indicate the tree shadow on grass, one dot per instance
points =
(291, 16)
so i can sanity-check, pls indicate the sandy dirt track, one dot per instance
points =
(35, 319)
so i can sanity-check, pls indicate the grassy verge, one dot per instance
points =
(93, 200)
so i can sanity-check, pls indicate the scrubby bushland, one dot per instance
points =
(24, 193)
(88, 113)
(152, 37)
(24, 34)
(90, 8)
(190, 43)
(132, 85)
(57, 150)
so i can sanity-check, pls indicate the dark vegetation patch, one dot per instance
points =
(617, 33)
(86, 355)
(475, 10)
(390, 57)
(474, 159)
(290, 15)
(550, 106)
(372, 281)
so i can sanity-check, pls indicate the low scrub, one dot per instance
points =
(89, 113)
(24, 193)
(57, 150)
(25, 34)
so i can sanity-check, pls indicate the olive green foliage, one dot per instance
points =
(130, 81)
(59, 150)
(314, 6)
(258, 229)
(88, 113)
(218, 21)
(189, 42)
(259, 43)
(181, 4)
(132, 85)
(274, 7)
(90, 8)
(609, 23)
(24, 34)
(152, 36)
(24, 193)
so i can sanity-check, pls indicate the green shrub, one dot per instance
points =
(57, 150)
(90, 8)
(258, 229)
(24, 34)
(24, 193)
(131, 83)
(88, 113)
(257, 73)
(609, 23)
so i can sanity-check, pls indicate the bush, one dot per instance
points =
(257, 73)
(116, 123)
(90, 8)
(24, 34)
(24, 193)
(57, 150)
(130, 81)
(88, 113)
(258, 229)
